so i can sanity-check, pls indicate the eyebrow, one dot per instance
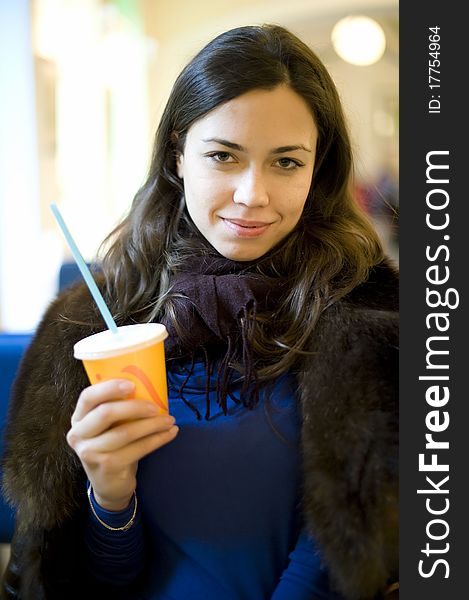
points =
(279, 150)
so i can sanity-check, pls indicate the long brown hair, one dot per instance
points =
(333, 246)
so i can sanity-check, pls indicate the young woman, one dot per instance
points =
(276, 475)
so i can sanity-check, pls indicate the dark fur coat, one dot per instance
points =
(348, 395)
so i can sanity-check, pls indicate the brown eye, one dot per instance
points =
(288, 164)
(221, 157)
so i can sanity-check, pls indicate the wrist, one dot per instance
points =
(112, 505)
(110, 516)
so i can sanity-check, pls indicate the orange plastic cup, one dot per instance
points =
(135, 353)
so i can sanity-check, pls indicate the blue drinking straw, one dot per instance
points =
(90, 282)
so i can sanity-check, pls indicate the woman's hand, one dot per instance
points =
(111, 433)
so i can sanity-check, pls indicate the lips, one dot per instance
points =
(244, 228)
(244, 223)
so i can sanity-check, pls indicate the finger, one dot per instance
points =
(109, 414)
(114, 461)
(122, 426)
(98, 393)
(118, 438)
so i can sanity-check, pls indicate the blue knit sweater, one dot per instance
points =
(218, 515)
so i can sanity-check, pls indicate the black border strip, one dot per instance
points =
(433, 232)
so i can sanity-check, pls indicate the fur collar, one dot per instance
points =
(349, 399)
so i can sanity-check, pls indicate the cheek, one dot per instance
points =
(295, 194)
(204, 197)
(293, 208)
(303, 192)
(211, 193)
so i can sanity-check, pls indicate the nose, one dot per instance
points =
(251, 189)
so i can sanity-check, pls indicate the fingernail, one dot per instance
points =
(170, 420)
(126, 386)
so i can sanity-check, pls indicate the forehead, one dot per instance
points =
(260, 115)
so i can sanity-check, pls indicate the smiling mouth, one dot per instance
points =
(242, 228)
(246, 223)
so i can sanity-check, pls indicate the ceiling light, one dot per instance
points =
(358, 40)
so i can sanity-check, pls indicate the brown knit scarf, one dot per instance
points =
(216, 301)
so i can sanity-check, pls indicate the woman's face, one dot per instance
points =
(247, 168)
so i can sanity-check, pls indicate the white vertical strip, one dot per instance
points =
(22, 284)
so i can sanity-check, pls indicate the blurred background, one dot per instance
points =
(84, 82)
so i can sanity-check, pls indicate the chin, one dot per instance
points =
(240, 254)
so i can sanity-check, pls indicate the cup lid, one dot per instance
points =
(128, 338)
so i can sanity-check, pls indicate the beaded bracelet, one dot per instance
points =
(125, 527)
